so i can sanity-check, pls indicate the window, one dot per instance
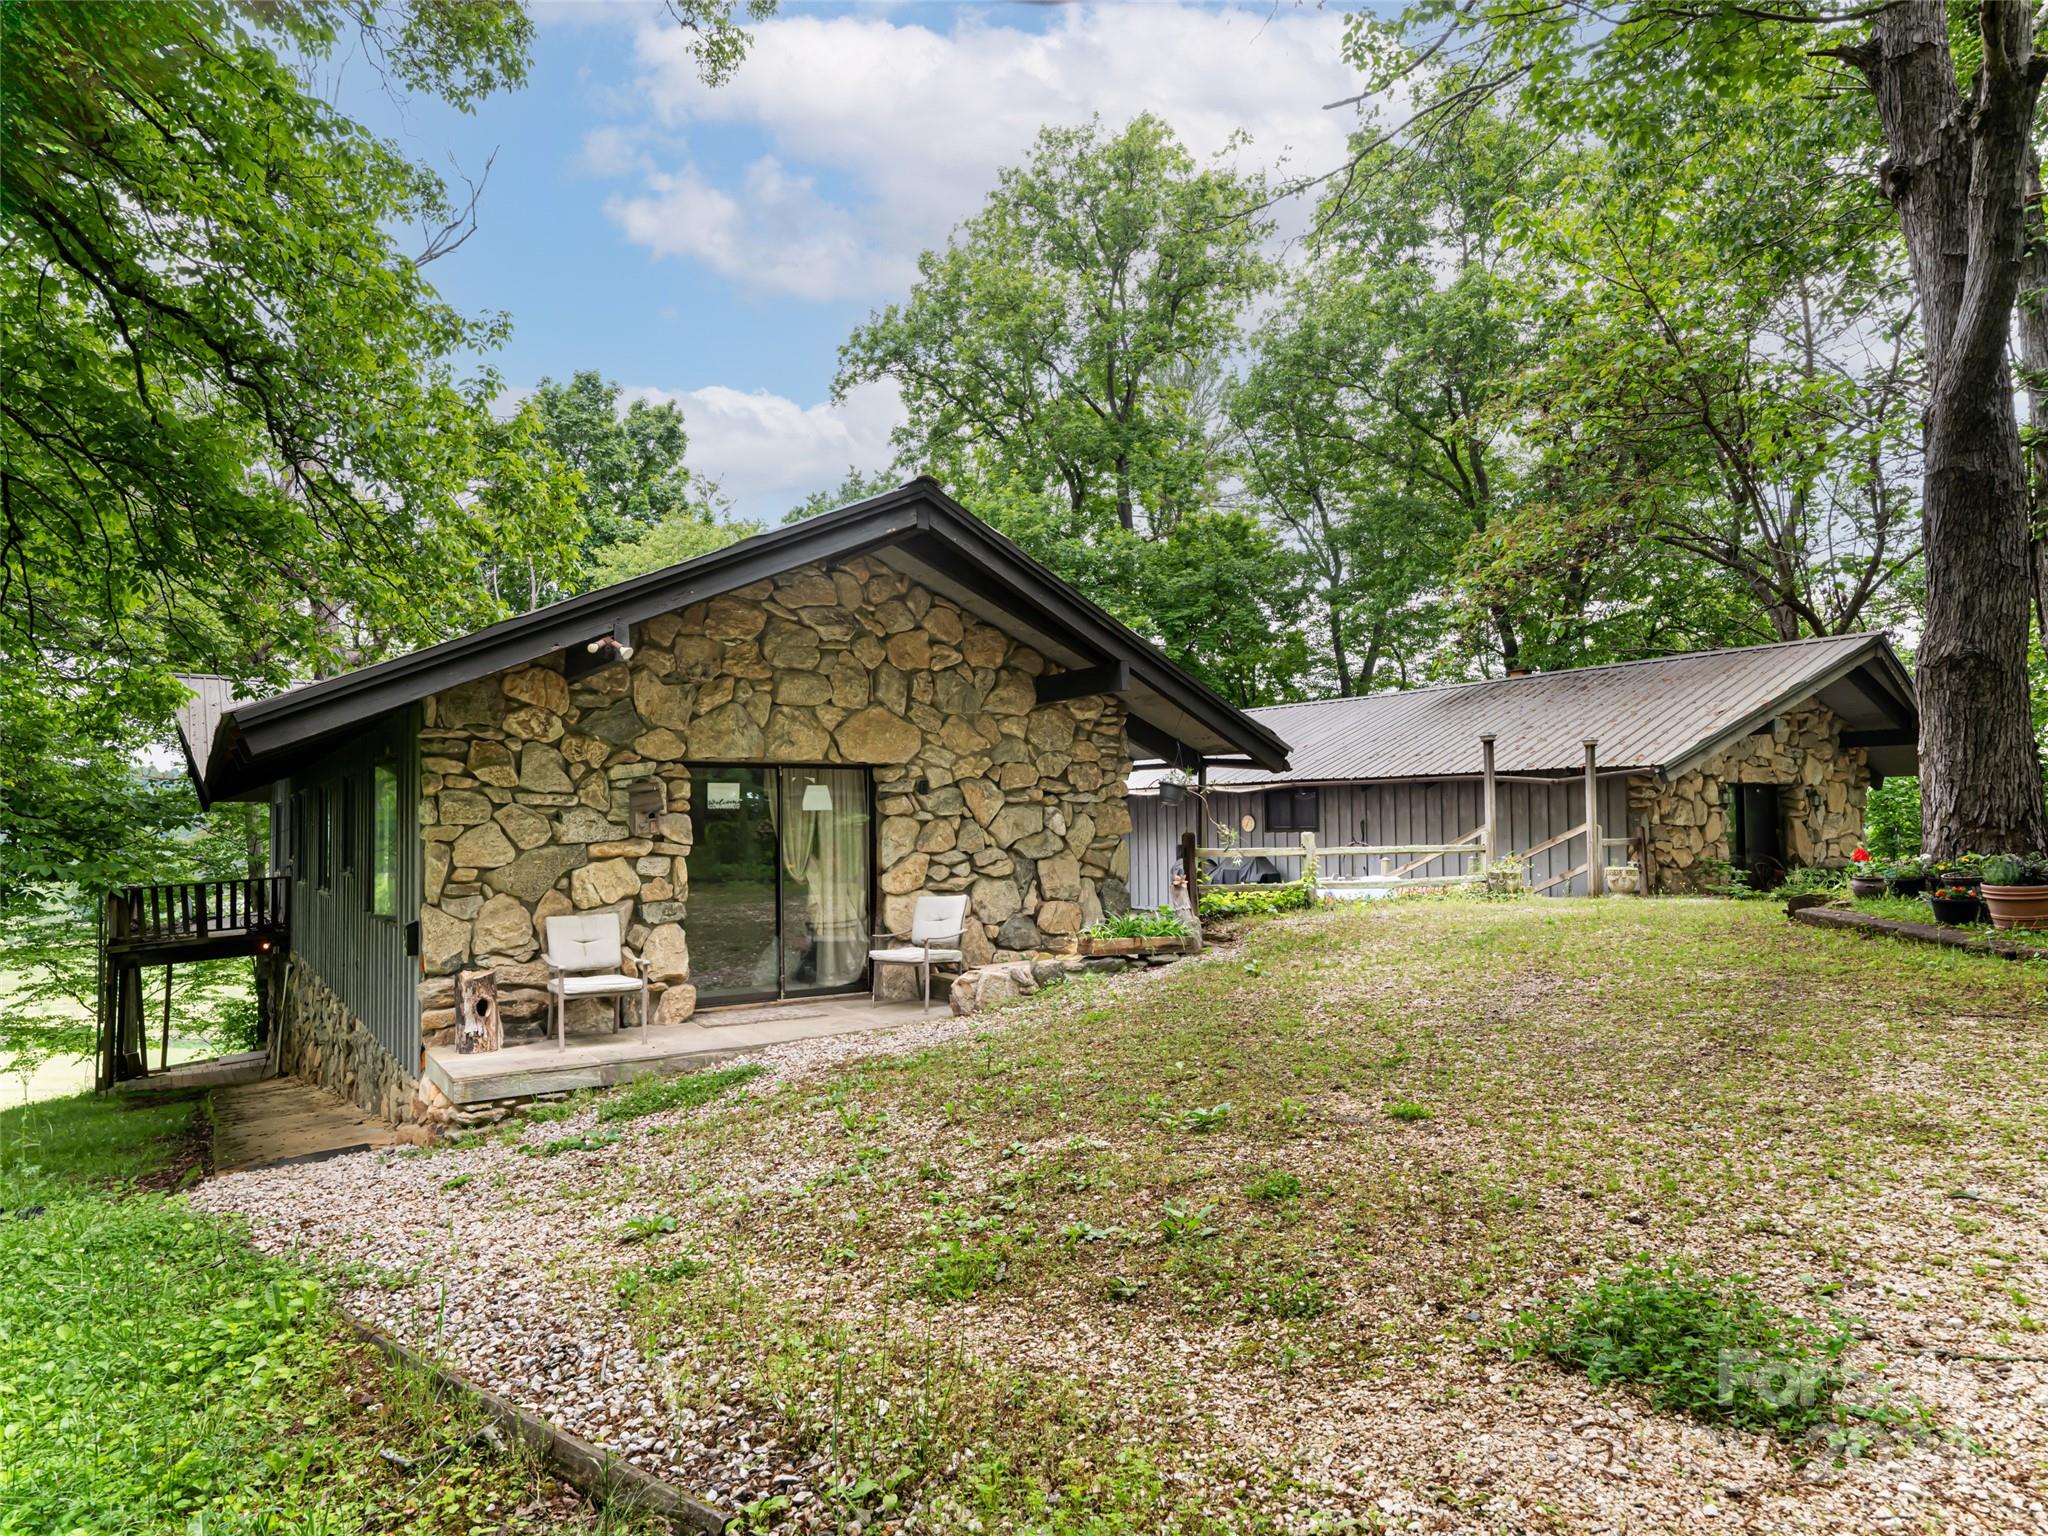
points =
(384, 841)
(1293, 810)
(323, 834)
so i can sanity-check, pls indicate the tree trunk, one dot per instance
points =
(1956, 173)
(2031, 324)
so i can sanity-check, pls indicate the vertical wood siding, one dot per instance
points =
(361, 955)
(1428, 811)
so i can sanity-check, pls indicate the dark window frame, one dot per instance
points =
(1283, 809)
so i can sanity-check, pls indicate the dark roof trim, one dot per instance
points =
(255, 736)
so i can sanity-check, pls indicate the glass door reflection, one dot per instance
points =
(825, 879)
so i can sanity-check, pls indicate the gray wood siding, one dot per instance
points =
(361, 955)
(1427, 811)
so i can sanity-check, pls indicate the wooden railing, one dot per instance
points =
(1472, 845)
(195, 909)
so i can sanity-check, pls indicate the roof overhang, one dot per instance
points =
(1869, 691)
(915, 528)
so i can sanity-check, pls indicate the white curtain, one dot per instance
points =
(826, 851)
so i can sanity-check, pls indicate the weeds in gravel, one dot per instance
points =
(1274, 1187)
(1407, 1110)
(1186, 1224)
(642, 1229)
(589, 1141)
(1702, 1345)
(690, 1090)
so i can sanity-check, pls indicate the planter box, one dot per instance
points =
(1134, 946)
(2017, 906)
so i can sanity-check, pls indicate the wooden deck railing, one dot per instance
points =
(195, 909)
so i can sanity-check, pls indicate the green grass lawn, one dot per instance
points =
(157, 1375)
(1163, 1256)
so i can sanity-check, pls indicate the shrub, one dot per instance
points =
(1256, 900)
(1163, 924)
(1891, 819)
(2016, 869)
(652, 1095)
(1709, 1347)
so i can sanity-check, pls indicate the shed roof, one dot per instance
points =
(915, 528)
(1660, 715)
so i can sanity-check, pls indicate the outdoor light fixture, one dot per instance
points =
(817, 797)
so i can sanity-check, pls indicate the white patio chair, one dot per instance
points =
(585, 959)
(935, 929)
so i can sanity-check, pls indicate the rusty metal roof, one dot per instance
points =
(1659, 715)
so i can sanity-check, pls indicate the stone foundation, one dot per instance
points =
(1822, 786)
(322, 1041)
(527, 778)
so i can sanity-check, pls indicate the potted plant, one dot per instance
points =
(1965, 869)
(1624, 880)
(2015, 888)
(1865, 883)
(1956, 904)
(1907, 877)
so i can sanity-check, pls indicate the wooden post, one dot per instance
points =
(1308, 861)
(163, 1060)
(1190, 873)
(1491, 840)
(1596, 856)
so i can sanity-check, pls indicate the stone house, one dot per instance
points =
(1758, 758)
(758, 759)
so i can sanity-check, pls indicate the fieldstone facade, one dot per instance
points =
(1822, 786)
(527, 777)
(321, 1040)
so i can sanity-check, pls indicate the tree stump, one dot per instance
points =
(478, 1027)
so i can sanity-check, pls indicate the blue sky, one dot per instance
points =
(715, 247)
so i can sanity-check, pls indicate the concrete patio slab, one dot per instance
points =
(599, 1061)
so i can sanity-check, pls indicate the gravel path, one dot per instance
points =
(518, 1295)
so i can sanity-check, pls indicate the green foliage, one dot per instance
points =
(1407, 1111)
(588, 1141)
(1891, 819)
(1294, 1295)
(687, 1090)
(1203, 1120)
(1163, 924)
(1255, 900)
(1274, 1187)
(1186, 1224)
(2016, 869)
(641, 1229)
(1700, 1345)
(854, 487)
(965, 1264)
(1060, 362)
(216, 1381)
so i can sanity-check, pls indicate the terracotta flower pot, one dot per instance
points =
(2017, 906)
(1866, 887)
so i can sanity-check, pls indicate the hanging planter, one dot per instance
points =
(1172, 792)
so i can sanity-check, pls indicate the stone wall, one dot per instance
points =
(526, 777)
(321, 1040)
(1822, 789)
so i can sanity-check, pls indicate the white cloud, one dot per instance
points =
(884, 133)
(768, 452)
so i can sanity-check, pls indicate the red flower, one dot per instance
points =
(1861, 855)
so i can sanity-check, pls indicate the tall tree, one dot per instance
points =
(233, 434)
(1954, 115)
(1730, 365)
(1058, 336)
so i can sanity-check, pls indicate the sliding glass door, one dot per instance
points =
(780, 882)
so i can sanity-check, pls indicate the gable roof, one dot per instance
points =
(1660, 716)
(915, 528)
